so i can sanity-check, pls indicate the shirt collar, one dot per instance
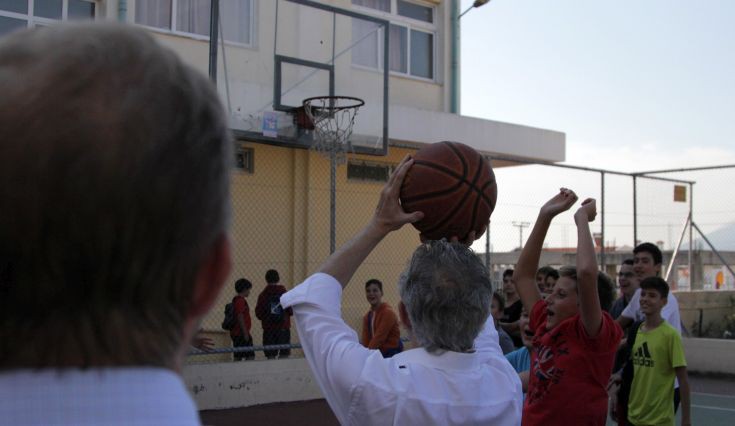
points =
(447, 360)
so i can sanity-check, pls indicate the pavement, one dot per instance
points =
(713, 404)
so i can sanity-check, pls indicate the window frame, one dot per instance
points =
(200, 37)
(247, 154)
(32, 20)
(410, 24)
(388, 167)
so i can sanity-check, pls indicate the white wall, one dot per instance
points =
(246, 383)
(710, 355)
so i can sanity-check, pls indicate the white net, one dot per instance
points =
(333, 118)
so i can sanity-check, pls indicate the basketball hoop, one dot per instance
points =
(332, 118)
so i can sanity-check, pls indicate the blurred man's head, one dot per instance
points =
(445, 296)
(114, 163)
(647, 260)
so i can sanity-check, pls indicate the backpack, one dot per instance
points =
(275, 310)
(229, 322)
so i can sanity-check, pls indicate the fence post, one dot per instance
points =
(602, 220)
(691, 239)
(635, 212)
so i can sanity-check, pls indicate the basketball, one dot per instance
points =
(454, 186)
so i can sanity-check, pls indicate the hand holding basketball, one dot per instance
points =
(561, 202)
(389, 215)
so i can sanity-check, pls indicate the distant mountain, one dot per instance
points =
(722, 238)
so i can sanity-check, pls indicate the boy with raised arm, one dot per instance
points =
(574, 341)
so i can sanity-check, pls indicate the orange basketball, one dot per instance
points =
(454, 186)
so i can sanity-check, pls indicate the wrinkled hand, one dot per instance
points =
(587, 211)
(389, 215)
(559, 203)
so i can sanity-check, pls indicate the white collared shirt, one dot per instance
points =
(411, 388)
(109, 396)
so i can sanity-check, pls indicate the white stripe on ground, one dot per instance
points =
(713, 394)
(707, 407)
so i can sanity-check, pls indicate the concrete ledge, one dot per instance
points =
(710, 355)
(246, 383)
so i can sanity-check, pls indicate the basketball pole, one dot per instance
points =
(332, 200)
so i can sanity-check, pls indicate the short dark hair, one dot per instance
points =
(272, 277)
(605, 286)
(553, 274)
(508, 273)
(375, 281)
(628, 261)
(656, 283)
(242, 284)
(652, 249)
(499, 299)
(545, 270)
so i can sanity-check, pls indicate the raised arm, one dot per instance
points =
(524, 276)
(389, 216)
(589, 300)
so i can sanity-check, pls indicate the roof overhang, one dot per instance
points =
(416, 127)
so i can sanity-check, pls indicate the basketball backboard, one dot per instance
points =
(300, 49)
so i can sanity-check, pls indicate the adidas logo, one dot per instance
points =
(643, 357)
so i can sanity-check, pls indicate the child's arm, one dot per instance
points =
(524, 276)
(681, 374)
(589, 301)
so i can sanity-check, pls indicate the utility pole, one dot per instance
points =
(520, 226)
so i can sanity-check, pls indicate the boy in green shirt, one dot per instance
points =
(658, 358)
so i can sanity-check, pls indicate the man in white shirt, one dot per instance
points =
(114, 211)
(457, 373)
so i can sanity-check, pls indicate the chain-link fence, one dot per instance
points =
(281, 221)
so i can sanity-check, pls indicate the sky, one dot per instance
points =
(634, 85)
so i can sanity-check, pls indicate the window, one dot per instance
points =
(16, 14)
(368, 171)
(244, 160)
(412, 37)
(191, 17)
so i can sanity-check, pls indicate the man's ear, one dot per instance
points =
(404, 315)
(213, 272)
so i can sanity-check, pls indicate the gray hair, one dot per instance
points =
(114, 163)
(447, 293)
